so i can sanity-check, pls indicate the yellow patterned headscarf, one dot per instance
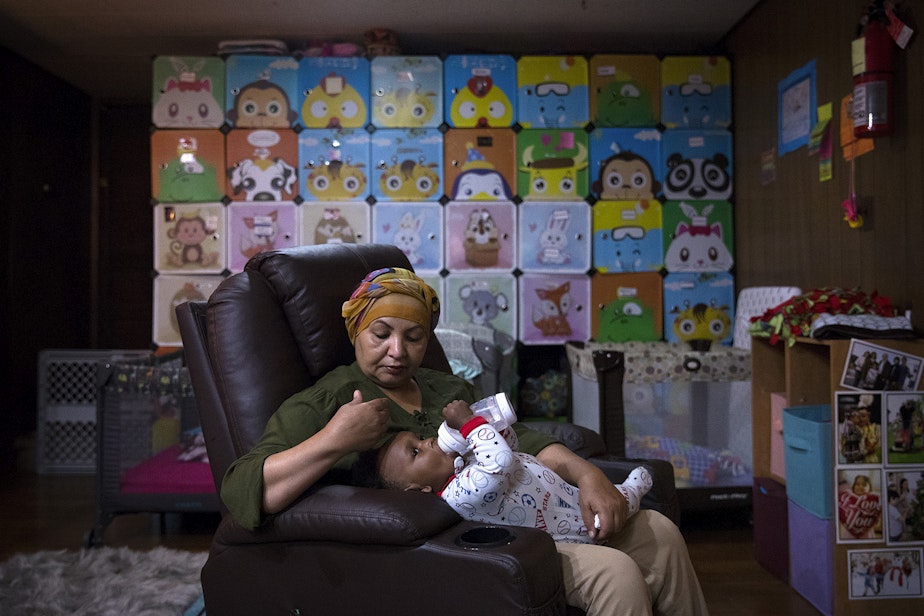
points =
(377, 296)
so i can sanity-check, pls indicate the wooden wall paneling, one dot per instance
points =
(126, 228)
(791, 230)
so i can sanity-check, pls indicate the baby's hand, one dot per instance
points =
(456, 413)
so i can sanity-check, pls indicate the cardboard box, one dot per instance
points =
(811, 557)
(771, 526)
(809, 458)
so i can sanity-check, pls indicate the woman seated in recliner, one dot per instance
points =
(322, 429)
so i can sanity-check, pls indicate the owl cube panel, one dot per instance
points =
(187, 166)
(189, 238)
(407, 91)
(334, 164)
(699, 308)
(554, 308)
(627, 307)
(697, 165)
(552, 164)
(627, 236)
(415, 228)
(171, 290)
(698, 236)
(625, 90)
(188, 92)
(554, 236)
(262, 91)
(479, 164)
(333, 92)
(335, 222)
(259, 227)
(480, 91)
(407, 164)
(552, 92)
(695, 92)
(261, 164)
(482, 299)
(625, 163)
(481, 235)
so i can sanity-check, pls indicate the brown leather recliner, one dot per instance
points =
(273, 330)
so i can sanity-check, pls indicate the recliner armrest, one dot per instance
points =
(350, 514)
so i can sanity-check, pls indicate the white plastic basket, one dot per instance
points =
(66, 428)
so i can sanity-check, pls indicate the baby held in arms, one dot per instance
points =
(476, 468)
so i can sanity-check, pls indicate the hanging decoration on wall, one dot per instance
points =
(796, 107)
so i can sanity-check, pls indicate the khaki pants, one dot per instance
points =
(644, 570)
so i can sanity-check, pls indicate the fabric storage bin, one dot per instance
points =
(690, 408)
(811, 557)
(809, 458)
(771, 526)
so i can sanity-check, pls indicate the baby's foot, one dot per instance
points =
(635, 487)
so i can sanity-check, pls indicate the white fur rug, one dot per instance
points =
(100, 582)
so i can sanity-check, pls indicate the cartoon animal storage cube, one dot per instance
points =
(552, 164)
(554, 236)
(171, 290)
(627, 236)
(698, 236)
(699, 308)
(335, 222)
(625, 163)
(262, 91)
(187, 165)
(407, 164)
(554, 308)
(333, 92)
(407, 91)
(552, 92)
(480, 91)
(695, 92)
(189, 238)
(479, 164)
(261, 164)
(188, 92)
(482, 299)
(626, 307)
(259, 227)
(480, 236)
(415, 228)
(334, 164)
(625, 90)
(697, 165)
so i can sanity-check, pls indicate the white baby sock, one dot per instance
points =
(635, 487)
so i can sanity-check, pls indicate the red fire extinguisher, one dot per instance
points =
(873, 75)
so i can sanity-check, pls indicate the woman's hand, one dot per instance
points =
(358, 425)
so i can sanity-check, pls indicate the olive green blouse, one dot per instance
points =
(305, 413)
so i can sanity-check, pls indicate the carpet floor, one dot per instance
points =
(101, 582)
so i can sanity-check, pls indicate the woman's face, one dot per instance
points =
(390, 350)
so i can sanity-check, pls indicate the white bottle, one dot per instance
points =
(496, 409)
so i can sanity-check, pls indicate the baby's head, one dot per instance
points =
(408, 462)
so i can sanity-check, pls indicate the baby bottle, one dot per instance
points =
(496, 409)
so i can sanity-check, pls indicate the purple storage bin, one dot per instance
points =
(811, 557)
(771, 526)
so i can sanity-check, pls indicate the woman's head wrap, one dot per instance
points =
(384, 293)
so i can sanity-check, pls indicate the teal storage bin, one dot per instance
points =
(809, 458)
